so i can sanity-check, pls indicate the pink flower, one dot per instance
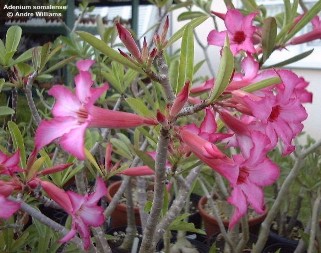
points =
(8, 207)
(208, 128)
(279, 111)
(310, 36)
(9, 164)
(83, 209)
(239, 30)
(254, 172)
(206, 86)
(208, 153)
(73, 113)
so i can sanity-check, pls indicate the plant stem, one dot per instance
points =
(314, 222)
(101, 242)
(159, 184)
(265, 226)
(46, 221)
(217, 217)
(142, 197)
(131, 224)
(245, 234)
(178, 203)
(28, 92)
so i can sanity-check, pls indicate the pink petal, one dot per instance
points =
(234, 20)
(238, 200)
(180, 100)
(116, 119)
(100, 191)
(95, 93)
(92, 215)
(84, 233)
(74, 141)
(138, 171)
(209, 123)
(254, 196)
(216, 38)
(247, 26)
(250, 67)
(49, 130)
(76, 201)
(3, 157)
(71, 234)
(204, 87)
(83, 84)
(58, 195)
(270, 175)
(67, 104)
(84, 65)
(7, 207)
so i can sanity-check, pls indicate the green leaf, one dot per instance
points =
(180, 5)
(112, 80)
(186, 61)
(2, 52)
(193, 23)
(250, 5)
(92, 160)
(108, 51)
(13, 38)
(262, 84)
(45, 49)
(25, 56)
(147, 159)
(224, 74)
(138, 106)
(18, 142)
(190, 15)
(308, 16)
(269, 32)
(5, 110)
(8, 57)
(290, 60)
(121, 148)
(173, 72)
(180, 224)
(59, 65)
(198, 66)
(2, 82)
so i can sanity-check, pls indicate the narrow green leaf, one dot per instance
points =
(54, 51)
(59, 65)
(45, 49)
(180, 5)
(112, 80)
(250, 5)
(287, 12)
(2, 52)
(224, 74)
(121, 148)
(18, 142)
(262, 84)
(13, 38)
(25, 56)
(308, 16)
(147, 159)
(5, 110)
(92, 160)
(138, 106)
(129, 77)
(290, 60)
(186, 61)
(190, 15)
(198, 66)
(193, 24)
(269, 32)
(173, 73)
(108, 51)
(2, 82)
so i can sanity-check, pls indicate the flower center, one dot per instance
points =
(243, 174)
(82, 115)
(275, 113)
(239, 37)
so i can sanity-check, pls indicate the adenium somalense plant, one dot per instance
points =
(171, 129)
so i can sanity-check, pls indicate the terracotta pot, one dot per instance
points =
(119, 215)
(211, 225)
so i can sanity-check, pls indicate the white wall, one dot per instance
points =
(312, 124)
